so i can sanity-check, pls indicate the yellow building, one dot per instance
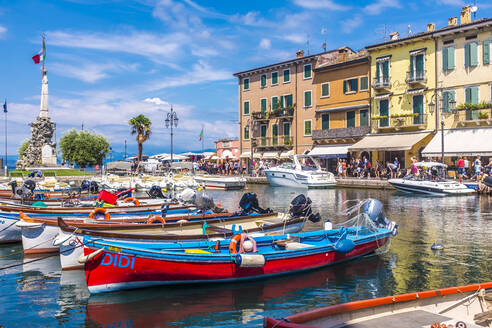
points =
(464, 81)
(403, 82)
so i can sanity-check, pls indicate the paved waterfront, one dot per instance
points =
(39, 295)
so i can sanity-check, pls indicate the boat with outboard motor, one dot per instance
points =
(113, 265)
(293, 174)
(429, 180)
(250, 219)
(461, 306)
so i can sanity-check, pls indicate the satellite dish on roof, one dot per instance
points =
(474, 9)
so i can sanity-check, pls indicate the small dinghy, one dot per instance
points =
(463, 307)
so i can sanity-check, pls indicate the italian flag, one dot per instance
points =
(201, 135)
(41, 55)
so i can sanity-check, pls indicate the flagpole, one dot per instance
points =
(5, 111)
(203, 138)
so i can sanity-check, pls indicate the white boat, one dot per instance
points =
(429, 180)
(295, 175)
(221, 182)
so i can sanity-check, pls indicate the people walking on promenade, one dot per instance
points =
(460, 163)
(477, 166)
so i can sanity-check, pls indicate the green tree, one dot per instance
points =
(140, 126)
(83, 148)
(23, 148)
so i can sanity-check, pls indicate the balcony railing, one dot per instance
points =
(381, 82)
(416, 77)
(397, 123)
(260, 115)
(355, 132)
(474, 117)
(278, 141)
(282, 112)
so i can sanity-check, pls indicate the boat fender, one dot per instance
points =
(328, 225)
(131, 199)
(250, 260)
(437, 247)
(99, 210)
(344, 245)
(154, 218)
(86, 258)
(247, 244)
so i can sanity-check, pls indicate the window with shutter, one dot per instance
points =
(263, 105)
(473, 54)
(378, 72)
(286, 75)
(344, 86)
(350, 86)
(325, 89)
(246, 133)
(384, 111)
(274, 78)
(325, 121)
(246, 107)
(307, 127)
(451, 51)
(263, 80)
(288, 100)
(307, 71)
(386, 71)
(445, 59)
(364, 84)
(486, 52)
(351, 119)
(418, 109)
(246, 84)
(364, 117)
(307, 98)
(274, 102)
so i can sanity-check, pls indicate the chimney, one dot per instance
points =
(394, 36)
(465, 16)
(452, 21)
(300, 53)
(431, 27)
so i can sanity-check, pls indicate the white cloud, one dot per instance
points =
(295, 38)
(379, 5)
(3, 31)
(90, 72)
(156, 101)
(452, 2)
(265, 44)
(351, 24)
(320, 4)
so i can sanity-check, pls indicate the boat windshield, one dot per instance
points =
(428, 173)
(287, 165)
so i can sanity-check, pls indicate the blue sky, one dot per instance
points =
(110, 60)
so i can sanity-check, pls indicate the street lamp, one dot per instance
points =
(432, 106)
(172, 120)
(251, 133)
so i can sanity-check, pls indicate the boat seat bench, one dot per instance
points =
(410, 319)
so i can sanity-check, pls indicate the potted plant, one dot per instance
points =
(483, 115)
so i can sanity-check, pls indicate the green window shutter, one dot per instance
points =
(263, 105)
(386, 70)
(364, 117)
(325, 121)
(274, 78)
(325, 90)
(274, 102)
(246, 84)
(445, 59)
(473, 54)
(467, 55)
(412, 58)
(246, 133)
(384, 111)
(246, 107)
(377, 71)
(364, 84)
(345, 86)
(282, 101)
(451, 58)
(286, 76)
(307, 98)
(288, 100)
(307, 128)
(263, 80)
(275, 130)
(445, 101)
(419, 65)
(307, 71)
(474, 95)
(351, 119)
(468, 95)
(486, 52)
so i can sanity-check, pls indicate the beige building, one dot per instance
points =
(277, 105)
(464, 88)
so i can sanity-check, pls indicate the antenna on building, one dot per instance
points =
(383, 30)
(409, 29)
(323, 32)
(307, 43)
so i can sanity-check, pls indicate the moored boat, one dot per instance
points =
(113, 265)
(462, 306)
(221, 182)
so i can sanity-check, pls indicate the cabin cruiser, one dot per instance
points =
(295, 175)
(429, 180)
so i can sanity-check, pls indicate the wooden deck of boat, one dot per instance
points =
(411, 319)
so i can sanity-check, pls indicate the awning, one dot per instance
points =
(247, 154)
(226, 154)
(389, 142)
(465, 142)
(270, 155)
(383, 96)
(330, 151)
(339, 109)
(416, 91)
(286, 154)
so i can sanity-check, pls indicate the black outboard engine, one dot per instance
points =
(488, 181)
(13, 186)
(85, 185)
(301, 207)
(249, 204)
(204, 202)
(155, 192)
(374, 209)
(29, 184)
(94, 187)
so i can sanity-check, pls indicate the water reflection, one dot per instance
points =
(38, 294)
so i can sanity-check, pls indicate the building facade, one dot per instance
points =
(343, 106)
(403, 82)
(227, 149)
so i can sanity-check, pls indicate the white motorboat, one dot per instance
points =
(221, 182)
(429, 180)
(295, 175)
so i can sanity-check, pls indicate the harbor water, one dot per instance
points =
(37, 294)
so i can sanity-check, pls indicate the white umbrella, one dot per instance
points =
(175, 157)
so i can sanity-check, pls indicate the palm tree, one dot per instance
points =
(141, 127)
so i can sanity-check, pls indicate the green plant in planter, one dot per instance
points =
(483, 115)
(379, 117)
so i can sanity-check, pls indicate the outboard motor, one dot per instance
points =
(204, 202)
(249, 204)
(374, 209)
(155, 192)
(85, 185)
(13, 186)
(94, 187)
(300, 206)
(29, 184)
